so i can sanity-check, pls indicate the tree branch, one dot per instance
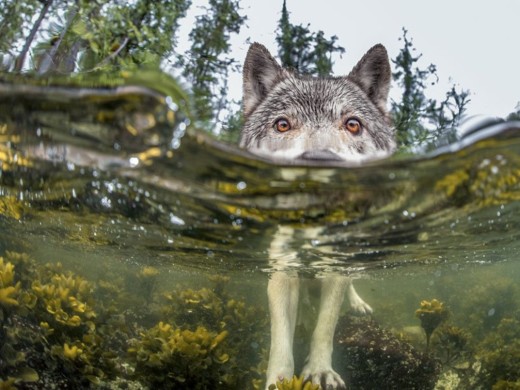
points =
(49, 60)
(113, 54)
(28, 42)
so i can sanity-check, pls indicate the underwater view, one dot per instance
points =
(134, 250)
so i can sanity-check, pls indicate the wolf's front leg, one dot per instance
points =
(318, 367)
(282, 292)
(356, 302)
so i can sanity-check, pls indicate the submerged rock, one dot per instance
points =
(373, 358)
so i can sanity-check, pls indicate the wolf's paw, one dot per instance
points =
(359, 306)
(324, 376)
(279, 375)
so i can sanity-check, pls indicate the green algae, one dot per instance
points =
(170, 358)
(61, 329)
(432, 314)
(8, 290)
(499, 353)
(295, 383)
(452, 344)
(506, 385)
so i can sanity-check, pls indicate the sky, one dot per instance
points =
(474, 44)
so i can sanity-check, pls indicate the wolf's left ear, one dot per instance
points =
(373, 75)
(261, 74)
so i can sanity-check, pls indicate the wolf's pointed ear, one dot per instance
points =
(373, 74)
(261, 74)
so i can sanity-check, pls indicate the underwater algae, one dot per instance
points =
(196, 356)
(500, 356)
(59, 329)
(494, 181)
(295, 383)
(464, 352)
(50, 331)
(432, 314)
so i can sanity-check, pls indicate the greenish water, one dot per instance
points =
(162, 234)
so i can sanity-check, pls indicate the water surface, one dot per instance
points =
(170, 228)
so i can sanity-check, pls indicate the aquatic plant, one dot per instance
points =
(452, 344)
(492, 182)
(487, 302)
(8, 384)
(499, 354)
(51, 338)
(25, 267)
(169, 357)
(68, 332)
(506, 385)
(93, 345)
(295, 383)
(371, 357)
(8, 289)
(216, 310)
(195, 307)
(67, 298)
(147, 277)
(432, 314)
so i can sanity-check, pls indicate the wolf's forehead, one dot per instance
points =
(319, 96)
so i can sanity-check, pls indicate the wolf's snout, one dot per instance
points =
(322, 155)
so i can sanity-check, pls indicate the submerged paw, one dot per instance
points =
(327, 378)
(295, 383)
(361, 307)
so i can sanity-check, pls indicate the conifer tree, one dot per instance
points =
(207, 64)
(420, 120)
(302, 50)
(515, 115)
(299, 49)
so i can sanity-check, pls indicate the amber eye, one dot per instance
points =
(353, 125)
(282, 125)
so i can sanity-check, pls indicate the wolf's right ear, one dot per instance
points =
(261, 74)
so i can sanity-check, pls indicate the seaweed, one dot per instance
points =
(499, 354)
(452, 344)
(60, 330)
(171, 358)
(52, 329)
(217, 311)
(486, 303)
(8, 289)
(432, 314)
(506, 385)
(295, 383)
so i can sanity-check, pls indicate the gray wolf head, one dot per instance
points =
(290, 116)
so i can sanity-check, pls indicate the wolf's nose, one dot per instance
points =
(320, 155)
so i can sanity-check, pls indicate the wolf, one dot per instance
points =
(290, 118)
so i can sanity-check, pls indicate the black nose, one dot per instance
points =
(320, 155)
